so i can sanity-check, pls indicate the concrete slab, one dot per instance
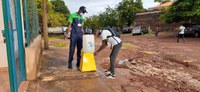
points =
(23, 87)
(54, 75)
(4, 82)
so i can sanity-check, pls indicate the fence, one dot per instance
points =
(31, 20)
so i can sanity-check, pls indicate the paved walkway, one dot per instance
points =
(54, 76)
(4, 81)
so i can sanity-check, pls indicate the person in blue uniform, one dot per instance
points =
(76, 23)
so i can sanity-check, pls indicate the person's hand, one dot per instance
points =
(95, 53)
(65, 37)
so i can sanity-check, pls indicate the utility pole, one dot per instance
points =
(46, 42)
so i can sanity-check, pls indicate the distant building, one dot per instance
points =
(151, 19)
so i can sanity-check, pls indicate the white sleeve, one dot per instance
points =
(103, 35)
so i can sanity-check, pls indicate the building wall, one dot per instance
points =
(3, 54)
(33, 54)
(152, 19)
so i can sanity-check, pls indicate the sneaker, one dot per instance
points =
(78, 65)
(107, 72)
(110, 76)
(70, 66)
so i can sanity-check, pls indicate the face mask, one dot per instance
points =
(81, 14)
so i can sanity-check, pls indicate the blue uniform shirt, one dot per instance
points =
(77, 23)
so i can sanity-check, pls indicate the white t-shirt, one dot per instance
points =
(112, 40)
(182, 28)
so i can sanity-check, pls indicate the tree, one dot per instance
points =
(60, 7)
(108, 18)
(105, 19)
(127, 9)
(139, 5)
(121, 15)
(56, 19)
(92, 22)
(182, 10)
(57, 13)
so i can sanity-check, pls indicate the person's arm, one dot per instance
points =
(82, 29)
(70, 20)
(69, 27)
(82, 26)
(103, 45)
(68, 30)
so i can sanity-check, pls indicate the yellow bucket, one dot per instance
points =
(87, 62)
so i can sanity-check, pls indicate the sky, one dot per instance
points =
(94, 7)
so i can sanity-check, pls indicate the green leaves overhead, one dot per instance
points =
(182, 10)
(122, 14)
(60, 7)
(56, 19)
(92, 22)
(108, 18)
(126, 11)
(57, 12)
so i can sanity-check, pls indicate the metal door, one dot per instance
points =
(14, 42)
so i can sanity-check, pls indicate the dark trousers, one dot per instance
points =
(156, 33)
(75, 41)
(113, 57)
(180, 36)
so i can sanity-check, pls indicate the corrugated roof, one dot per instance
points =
(162, 5)
(144, 13)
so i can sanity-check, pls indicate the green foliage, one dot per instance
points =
(57, 12)
(56, 19)
(60, 7)
(182, 10)
(108, 18)
(56, 37)
(120, 16)
(60, 45)
(139, 6)
(92, 22)
(126, 11)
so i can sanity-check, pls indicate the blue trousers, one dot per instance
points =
(75, 41)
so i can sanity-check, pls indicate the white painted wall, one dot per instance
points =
(3, 54)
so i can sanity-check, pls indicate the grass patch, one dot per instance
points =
(60, 45)
(56, 37)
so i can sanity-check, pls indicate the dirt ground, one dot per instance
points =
(146, 64)
(158, 64)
